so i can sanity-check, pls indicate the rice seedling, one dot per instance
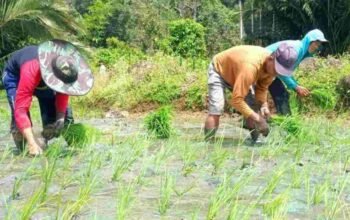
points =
(323, 99)
(308, 191)
(297, 178)
(122, 162)
(292, 124)
(125, 197)
(166, 186)
(195, 214)
(221, 197)
(276, 208)
(182, 192)
(15, 189)
(335, 205)
(320, 192)
(18, 183)
(80, 135)
(225, 194)
(218, 158)
(234, 211)
(159, 123)
(72, 209)
(189, 155)
(6, 153)
(163, 153)
(46, 176)
(32, 204)
(94, 165)
(274, 180)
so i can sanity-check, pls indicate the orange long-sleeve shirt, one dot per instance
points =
(241, 67)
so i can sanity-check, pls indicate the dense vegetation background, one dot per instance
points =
(167, 44)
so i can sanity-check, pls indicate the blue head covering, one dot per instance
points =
(302, 48)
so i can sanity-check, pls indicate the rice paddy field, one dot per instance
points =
(127, 174)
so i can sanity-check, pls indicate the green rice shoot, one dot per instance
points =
(291, 124)
(159, 123)
(323, 99)
(80, 135)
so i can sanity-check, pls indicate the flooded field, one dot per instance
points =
(127, 175)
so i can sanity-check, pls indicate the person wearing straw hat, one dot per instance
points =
(238, 69)
(51, 71)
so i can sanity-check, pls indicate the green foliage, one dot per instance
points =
(221, 26)
(96, 20)
(343, 91)
(117, 50)
(21, 20)
(163, 92)
(80, 135)
(187, 38)
(159, 122)
(195, 97)
(321, 76)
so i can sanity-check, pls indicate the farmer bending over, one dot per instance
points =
(239, 68)
(51, 71)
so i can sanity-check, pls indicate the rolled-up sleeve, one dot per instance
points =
(29, 80)
(61, 102)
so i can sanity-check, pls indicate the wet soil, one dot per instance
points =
(191, 192)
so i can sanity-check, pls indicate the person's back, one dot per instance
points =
(20, 57)
(236, 60)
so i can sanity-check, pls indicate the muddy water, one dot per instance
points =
(190, 193)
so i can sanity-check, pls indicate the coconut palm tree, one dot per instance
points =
(38, 19)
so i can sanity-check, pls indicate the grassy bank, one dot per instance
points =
(137, 82)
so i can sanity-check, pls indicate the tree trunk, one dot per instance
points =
(252, 17)
(260, 24)
(241, 19)
(273, 24)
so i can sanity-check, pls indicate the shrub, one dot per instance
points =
(159, 123)
(117, 50)
(96, 20)
(195, 98)
(163, 92)
(343, 90)
(187, 38)
(322, 80)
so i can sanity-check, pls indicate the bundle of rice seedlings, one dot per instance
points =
(292, 124)
(159, 122)
(323, 98)
(80, 135)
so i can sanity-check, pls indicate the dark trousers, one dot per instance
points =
(46, 98)
(280, 97)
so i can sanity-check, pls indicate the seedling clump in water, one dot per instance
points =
(80, 135)
(159, 122)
